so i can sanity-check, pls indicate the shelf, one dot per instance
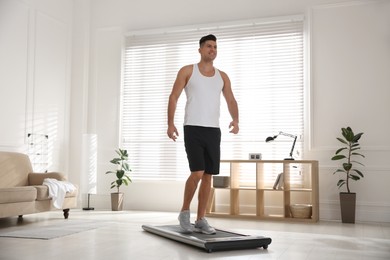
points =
(257, 199)
(301, 190)
(244, 188)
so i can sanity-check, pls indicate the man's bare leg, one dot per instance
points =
(189, 191)
(201, 224)
(190, 188)
(203, 195)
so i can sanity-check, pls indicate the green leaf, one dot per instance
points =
(348, 134)
(341, 149)
(359, 154)
(340, 183)
(357, 137)
(115, 161)
(354, 177)
(355, 146)
(126, 167)
(359, 172)
(338, 157)
(339, 170)
(347, 166)
(123, 154)
(341, 140)
(120, 173)
(357, 163)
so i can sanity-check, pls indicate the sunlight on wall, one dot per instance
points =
(89, 164)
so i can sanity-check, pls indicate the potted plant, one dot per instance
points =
(122, 177)
(347, 154)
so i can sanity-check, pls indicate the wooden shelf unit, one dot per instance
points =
(300, 187)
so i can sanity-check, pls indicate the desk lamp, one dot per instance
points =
(271, 138)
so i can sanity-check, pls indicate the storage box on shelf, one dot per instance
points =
(254, 193)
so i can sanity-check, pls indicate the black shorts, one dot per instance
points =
(203, 147)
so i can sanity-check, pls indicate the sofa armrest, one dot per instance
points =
(37, 178)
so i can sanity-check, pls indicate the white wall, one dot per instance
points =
(349, 54)
(35, 49)
(350, 85)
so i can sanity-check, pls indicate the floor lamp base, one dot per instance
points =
(88, 207)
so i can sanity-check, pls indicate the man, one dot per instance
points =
(203, 85)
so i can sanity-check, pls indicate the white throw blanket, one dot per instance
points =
(58, 190)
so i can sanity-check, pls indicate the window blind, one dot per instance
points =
(264, 61)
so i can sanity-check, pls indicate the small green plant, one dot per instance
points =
(348, 153)
(122, 171)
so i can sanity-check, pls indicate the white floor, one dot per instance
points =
(121, 237)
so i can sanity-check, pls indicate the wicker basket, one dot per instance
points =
(301, 210)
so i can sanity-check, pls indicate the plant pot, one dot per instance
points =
(348, 207)
(117, 201)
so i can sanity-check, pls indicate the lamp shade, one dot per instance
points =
(270, 138)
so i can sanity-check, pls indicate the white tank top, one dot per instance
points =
(203, 99)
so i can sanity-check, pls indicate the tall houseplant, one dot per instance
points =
(122, 178)
(348, 154)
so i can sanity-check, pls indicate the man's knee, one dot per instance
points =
(206, 177)
(195, 177)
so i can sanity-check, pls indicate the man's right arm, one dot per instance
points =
(178, 86)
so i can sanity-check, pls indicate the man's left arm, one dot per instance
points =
(231, 103)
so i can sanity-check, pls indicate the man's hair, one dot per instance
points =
(209, 37)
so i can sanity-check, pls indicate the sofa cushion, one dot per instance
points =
(43, 192)
(18, 194)
(37, 178)
(14, 169)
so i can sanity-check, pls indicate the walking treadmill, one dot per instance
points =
(222, 240)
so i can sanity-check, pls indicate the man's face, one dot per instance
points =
(208, 50)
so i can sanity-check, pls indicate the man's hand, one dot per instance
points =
(172, 132)
(233, 126)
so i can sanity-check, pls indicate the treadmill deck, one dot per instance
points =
(222, 240)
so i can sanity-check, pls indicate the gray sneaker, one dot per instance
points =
(185, 223)
(201, 226)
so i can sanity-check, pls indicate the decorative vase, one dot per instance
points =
(348, 207)
(117, 201)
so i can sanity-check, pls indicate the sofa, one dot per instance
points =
(22, 191)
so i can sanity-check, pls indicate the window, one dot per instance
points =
(264, 61)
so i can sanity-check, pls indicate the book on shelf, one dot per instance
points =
(279, 182)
